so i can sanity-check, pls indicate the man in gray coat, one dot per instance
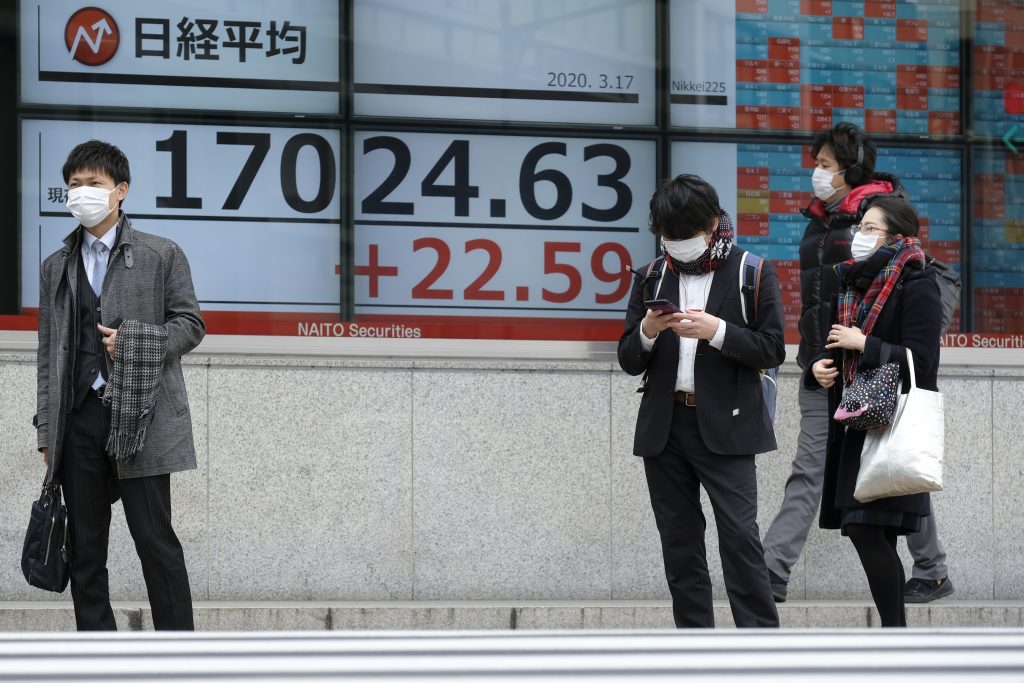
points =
(106, 273)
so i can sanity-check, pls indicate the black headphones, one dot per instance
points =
(855, 174)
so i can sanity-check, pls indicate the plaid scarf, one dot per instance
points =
(713, 257)
(139, 352)
(866, 286)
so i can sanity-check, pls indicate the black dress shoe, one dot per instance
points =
(779, 586)
(926, 590)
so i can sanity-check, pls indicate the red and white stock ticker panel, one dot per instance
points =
(515, 232)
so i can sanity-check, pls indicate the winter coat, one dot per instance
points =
(148, 279)
(911, 318)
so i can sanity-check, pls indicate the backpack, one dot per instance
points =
(751, 266)
(949, 288)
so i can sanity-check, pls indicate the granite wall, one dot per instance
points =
(434, 480)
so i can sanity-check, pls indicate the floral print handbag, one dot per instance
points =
(869, 401)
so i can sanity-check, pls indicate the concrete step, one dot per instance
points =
(491, 615)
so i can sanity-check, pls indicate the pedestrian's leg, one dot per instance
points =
(85, 475)
(731, 483)
(787, 534)
(929, 555)
(675, 498)
(147, 509)
(876, 547)
(930, 575)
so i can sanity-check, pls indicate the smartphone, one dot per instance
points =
(115, 323)
(662, 306)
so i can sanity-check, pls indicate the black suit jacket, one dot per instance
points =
(730, 407)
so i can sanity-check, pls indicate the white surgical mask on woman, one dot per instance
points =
(821, 181)
(90, 205)
(864, 245)
(686, 250)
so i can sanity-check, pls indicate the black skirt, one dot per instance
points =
(903, 522)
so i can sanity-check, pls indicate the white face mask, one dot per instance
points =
(686, 250)
(864, 245)
(90, 205)
(821, 181)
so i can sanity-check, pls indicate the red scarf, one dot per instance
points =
(866, 287)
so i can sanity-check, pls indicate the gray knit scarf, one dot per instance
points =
(139, 351)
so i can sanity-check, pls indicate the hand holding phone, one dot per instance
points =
(662, 306)
(661, 313)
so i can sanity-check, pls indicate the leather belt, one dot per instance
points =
(686, 398)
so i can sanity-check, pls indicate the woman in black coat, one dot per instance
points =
(887, 303)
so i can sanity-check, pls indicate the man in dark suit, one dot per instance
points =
(105, 271)
(702, 416)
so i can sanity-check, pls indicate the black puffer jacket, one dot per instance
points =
(826, 242)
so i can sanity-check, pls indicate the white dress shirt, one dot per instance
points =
(693, 293)
(88, 259)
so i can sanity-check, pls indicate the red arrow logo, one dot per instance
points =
(91, 36)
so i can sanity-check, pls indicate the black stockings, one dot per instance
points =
(876, 546)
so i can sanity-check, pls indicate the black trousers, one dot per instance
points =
(90, 483)
(674, 479)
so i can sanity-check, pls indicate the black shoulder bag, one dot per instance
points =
(46, 555)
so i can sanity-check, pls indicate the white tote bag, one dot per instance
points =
(905, 456)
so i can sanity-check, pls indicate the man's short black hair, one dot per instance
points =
(844, 139)
(96, 155)
(684, 207)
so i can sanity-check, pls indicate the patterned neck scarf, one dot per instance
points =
(713, 257)
(140, 350)
(866, 286)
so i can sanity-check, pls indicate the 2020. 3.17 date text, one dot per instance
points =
(579, 79)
